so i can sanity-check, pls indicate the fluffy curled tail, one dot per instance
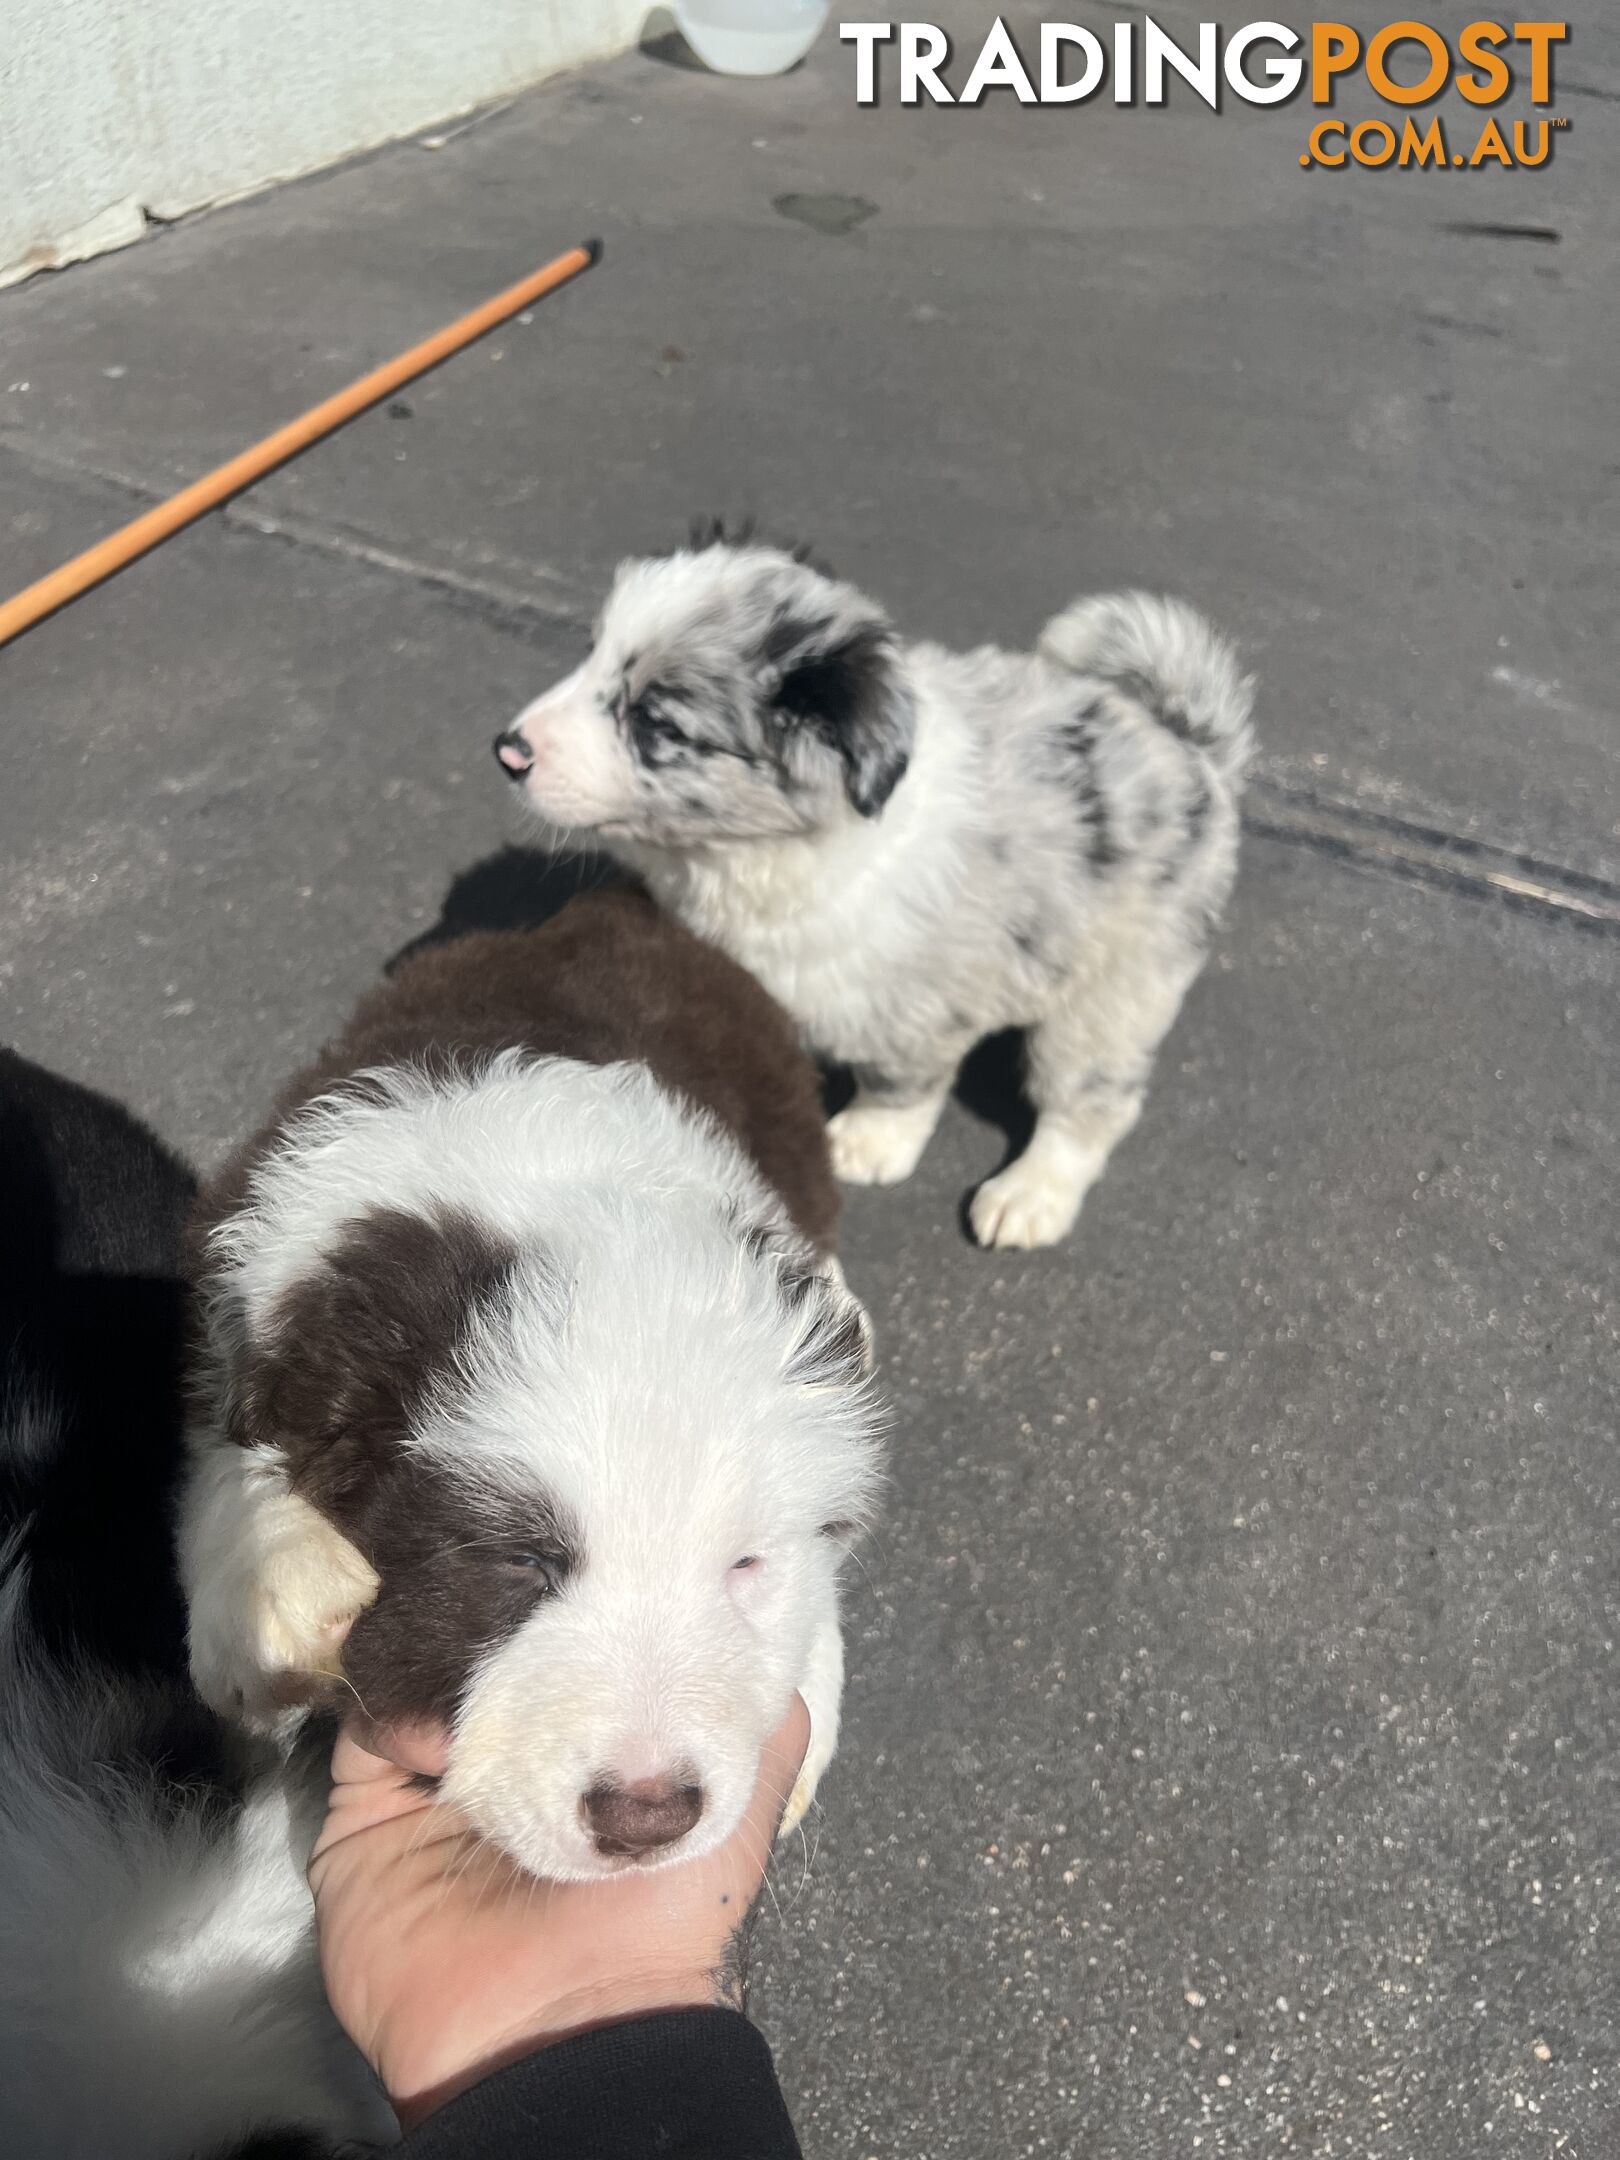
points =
(1165, 655)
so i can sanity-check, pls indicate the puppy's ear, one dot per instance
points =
(362, 1342)
(847, 1326)
(845, 683)
(709, 531)
(834, 1344)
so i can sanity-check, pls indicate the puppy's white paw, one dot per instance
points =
(823, 1690)
(1025, 1207)
(270, 1607)
(819, 1754)
(305, 1603)
(874, 1144)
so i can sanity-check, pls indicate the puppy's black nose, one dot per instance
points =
(629, 1821)
(513, 754)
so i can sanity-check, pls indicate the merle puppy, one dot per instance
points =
(533, 1400)
(913, 848)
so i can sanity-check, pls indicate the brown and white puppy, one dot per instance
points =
(532, 1398)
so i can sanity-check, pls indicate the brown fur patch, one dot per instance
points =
(610, 978)
(353, 1353)
(355, 1348)
(454, 1585)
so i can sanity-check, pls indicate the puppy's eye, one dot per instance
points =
(746, 1565)
(651, 729)
(532, 1567)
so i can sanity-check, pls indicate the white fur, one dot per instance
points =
(645, 1379)
(274, 1588)
(1052, 858)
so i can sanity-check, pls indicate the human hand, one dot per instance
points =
(443, 1961)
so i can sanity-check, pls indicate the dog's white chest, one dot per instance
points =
(821, 979)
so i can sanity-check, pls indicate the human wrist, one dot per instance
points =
(417, 2090)
(693, 2080)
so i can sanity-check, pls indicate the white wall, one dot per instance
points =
(113, 109)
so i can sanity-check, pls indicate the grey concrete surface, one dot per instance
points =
(1231, 1758)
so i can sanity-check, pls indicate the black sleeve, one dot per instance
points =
(686, 2085)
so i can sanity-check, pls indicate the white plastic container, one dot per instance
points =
(750, 37)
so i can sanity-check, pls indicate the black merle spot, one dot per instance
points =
(653, 722)
(1080, 731)
(850, 695)
(789, 631)
(674, 719)
(1195, 822)
(1103, 849)
(655, 736)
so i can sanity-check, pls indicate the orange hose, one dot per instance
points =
(144, 532)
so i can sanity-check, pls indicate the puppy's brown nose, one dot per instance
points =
(630, 1820)
(513, 754)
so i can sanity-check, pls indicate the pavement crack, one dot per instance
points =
(1430, 855)
(504, 607)
(1280, 810)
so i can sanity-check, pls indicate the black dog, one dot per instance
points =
(160, 1996)
(91, 1316)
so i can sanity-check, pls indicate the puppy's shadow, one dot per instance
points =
(520, 888)
(989, 1086)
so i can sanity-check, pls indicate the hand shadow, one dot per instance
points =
(520, 888)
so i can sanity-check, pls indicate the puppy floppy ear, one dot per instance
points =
(363, 1341)
(834, 1343)
(844, 682)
